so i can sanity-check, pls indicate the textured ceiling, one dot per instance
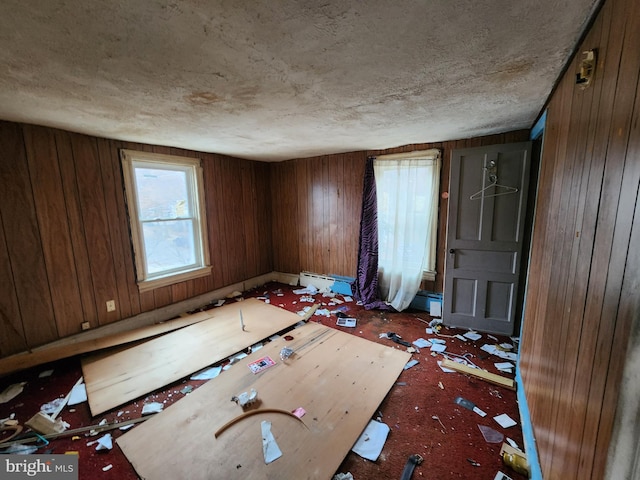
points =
(283, 79)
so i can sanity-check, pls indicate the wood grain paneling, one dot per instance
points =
(573, 342)
(12, 336)
(317, 204)
(65, 247)
(22, 237)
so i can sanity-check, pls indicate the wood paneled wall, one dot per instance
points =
(582, 293)
(317, 204)
(65, 247)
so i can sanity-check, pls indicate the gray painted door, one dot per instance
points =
(485, 224)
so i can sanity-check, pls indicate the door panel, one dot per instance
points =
(487, 201)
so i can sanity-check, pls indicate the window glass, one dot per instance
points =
(167, 217)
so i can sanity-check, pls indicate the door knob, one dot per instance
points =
(453, 250)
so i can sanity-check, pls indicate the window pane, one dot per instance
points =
(169, 245)
(162, 193)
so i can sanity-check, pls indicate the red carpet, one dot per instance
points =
(419, 409)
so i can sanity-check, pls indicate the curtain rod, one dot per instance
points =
(432, 153)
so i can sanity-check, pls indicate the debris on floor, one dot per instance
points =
(369, 445)
(153, 407)
(270, 448)
(469, 405)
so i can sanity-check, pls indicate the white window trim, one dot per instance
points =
(128, 157)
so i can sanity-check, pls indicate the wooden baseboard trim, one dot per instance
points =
(126, 330)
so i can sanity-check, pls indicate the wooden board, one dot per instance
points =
(116, 379)
(482, 374)
(338, 378)
(75, 345)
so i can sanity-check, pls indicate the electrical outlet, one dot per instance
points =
(85, 325)
(111, 306)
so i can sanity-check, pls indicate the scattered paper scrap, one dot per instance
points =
(308, 290)
(494, 350)
(343, 476)
(153, 407)
(506, 367)
(461, 337)
(186, 390)
(126, 427)
(299, 412)
(370, 443)
(410, 364)
(505, 421)
(11, 392)
(46, 373)
(261, 364)
(270, 448)
(438, 347)
(501, 476)
(422, 343)
(105, 442)
(346, 322)
(107, 468)
(78, 394)
(237, 358)
(53, 406)
(444, 369)
(246, 398)
(473, 336)
(207, 374)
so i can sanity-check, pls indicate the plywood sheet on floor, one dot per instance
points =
(76, 345)
(338, 378)
(115, 379)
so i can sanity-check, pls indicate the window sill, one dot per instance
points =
(147, 285)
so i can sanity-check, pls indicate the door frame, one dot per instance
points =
(537, 141)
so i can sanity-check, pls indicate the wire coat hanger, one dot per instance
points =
(493, 179)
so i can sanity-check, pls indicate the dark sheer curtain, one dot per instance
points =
(366, 283)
